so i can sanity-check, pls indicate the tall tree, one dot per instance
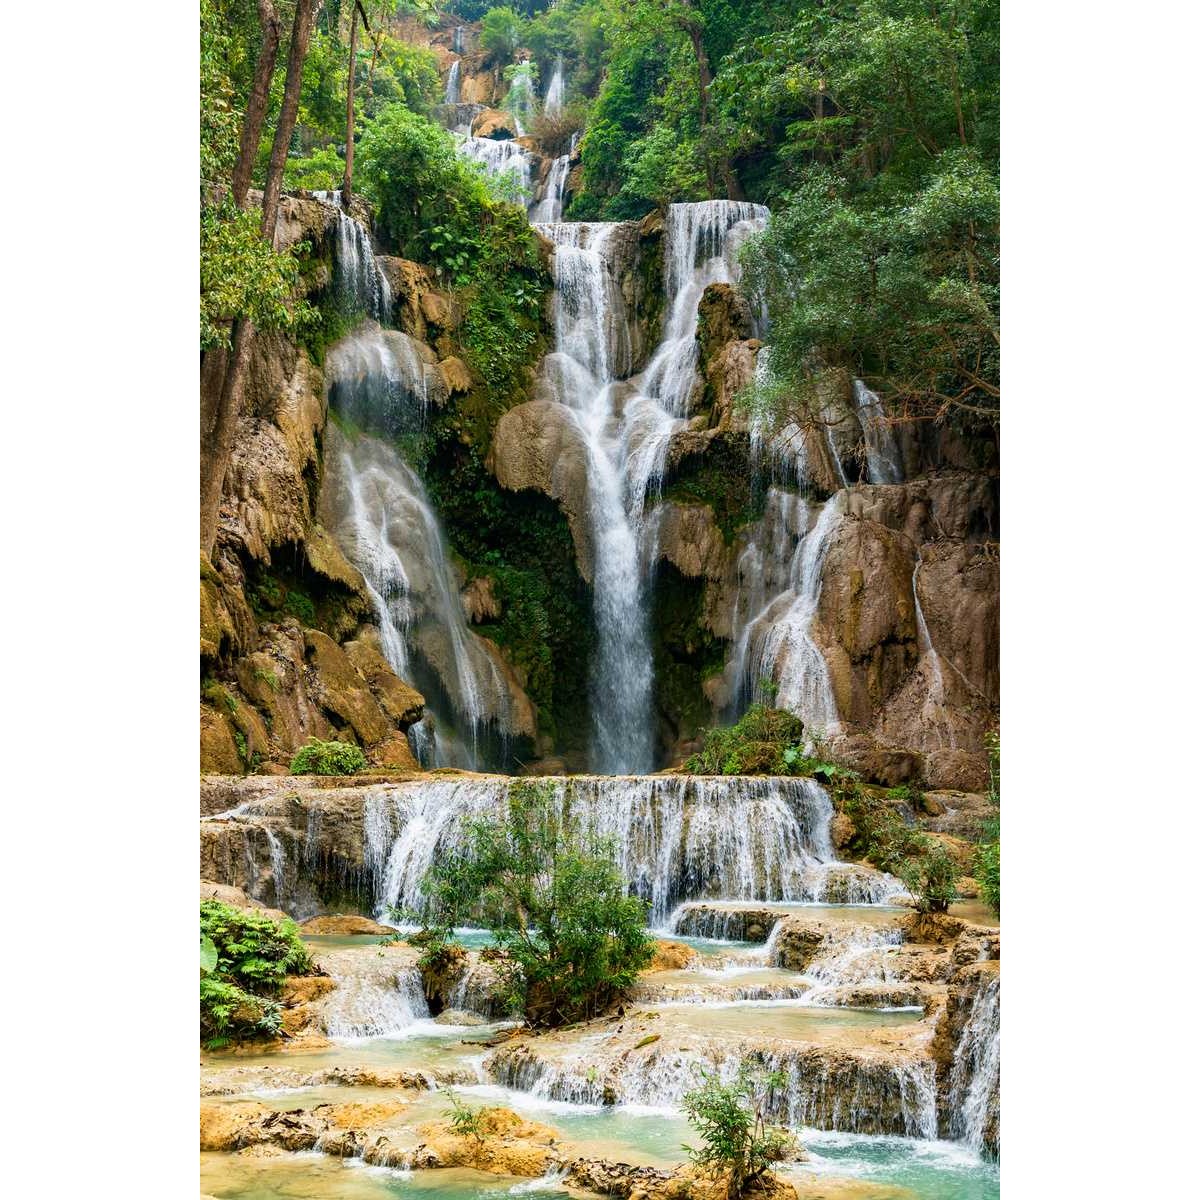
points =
(222, 372)
(348, 174)
(256, 105)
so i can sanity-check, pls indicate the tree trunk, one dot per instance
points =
(221, 391)
(348, 174)
(297, 52)
(733, 187)
(256, 106)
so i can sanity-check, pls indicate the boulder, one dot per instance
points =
(494, 123)
(341, 691)
(456, 374)
(403, 704)
(218, 749)
(479, 600)
(345, 923)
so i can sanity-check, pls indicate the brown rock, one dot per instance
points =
(218, 750)
(670, 956)
(479, 600)
(457, 375)
(345, 923)
(494, 123)
(403, 704)
(342, 691)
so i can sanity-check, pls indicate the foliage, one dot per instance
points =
(464, 1120)
(987, 853)
(881, 835)
(244, 958)
(931, 875)
(569, 939)
(737, 1142)
(500, 33)
(241, 275)
(327, 758)
(759, 743)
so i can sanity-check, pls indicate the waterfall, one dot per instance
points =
(548, 210)
(773, 619)
(553, 103)
(453, 89)
(502, 160)
(973, 1099)
(456, 40)
(700, 249)
(386, 526)
(592, 350)
(933, 710)
(374, 996)
(521, 100)
(677, 837)
(884, 463)
(360, 284)
(847, 1091)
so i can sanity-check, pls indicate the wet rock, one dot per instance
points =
(670, 956)
(402, 704)
(508, 1144)
(342, 691)
(343, 924)
(479, 600)
(494, 123)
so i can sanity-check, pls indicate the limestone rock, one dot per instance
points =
(479, 600)
(494, 123)
(457, 375)
(342, 691)
(729, 372)
(441, 310)
(218, 750)
(670, 956)
(689, 539)
(345, 923)
(403, 704)
(537, 445)
(409, 282)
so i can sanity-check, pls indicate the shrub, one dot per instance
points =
(569, 938)
(931, 875)
(244, 958)
(465, 1121)
(500, 33)
(737, 1141)
(764, 741)
(327, 758)
(987, 874)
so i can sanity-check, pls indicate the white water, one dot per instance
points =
(701, 247)
(779, 582)
(592, 350)
(553, 103)
(884, 462)
(360, 283)
(974, 1093)
(456, 39)
(373, 997)
(502, 158)
(549, 209)
(521, 100)
(387, 528)
(677, 837)
(626, 433)
(453, 88)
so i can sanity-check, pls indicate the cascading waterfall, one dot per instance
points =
(388, 529)
(677, 837)
(627, 445)
(592, 350)
(360, 284)
(848, 1092)
(456, 39)
(702, 241)
(373, 997)
(502, 159)
(774, 616)
(974, 1089)
(521, 100)
(555, 91)
(884, 462)
(548, 210)
(453, 88)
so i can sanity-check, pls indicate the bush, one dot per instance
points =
(987, 874)
(244, 958)
(765, 741)
(569, 938)
(737, 1141)
(327, 758)
(931, 875)
(500, 33)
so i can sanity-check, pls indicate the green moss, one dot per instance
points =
(686, 652)
(720, 478)
(305, 595)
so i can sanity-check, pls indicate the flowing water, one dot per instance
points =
(555, 90)
(453, 88)
(677, 837)
(502, 160)
(361, 286)
(974, 1095)
(884, 462)
(384, 522)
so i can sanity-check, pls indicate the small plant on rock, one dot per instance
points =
(327, 758)
(738, 1143)
(465, 1121)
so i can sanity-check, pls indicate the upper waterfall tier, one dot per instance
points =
(677, 838)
